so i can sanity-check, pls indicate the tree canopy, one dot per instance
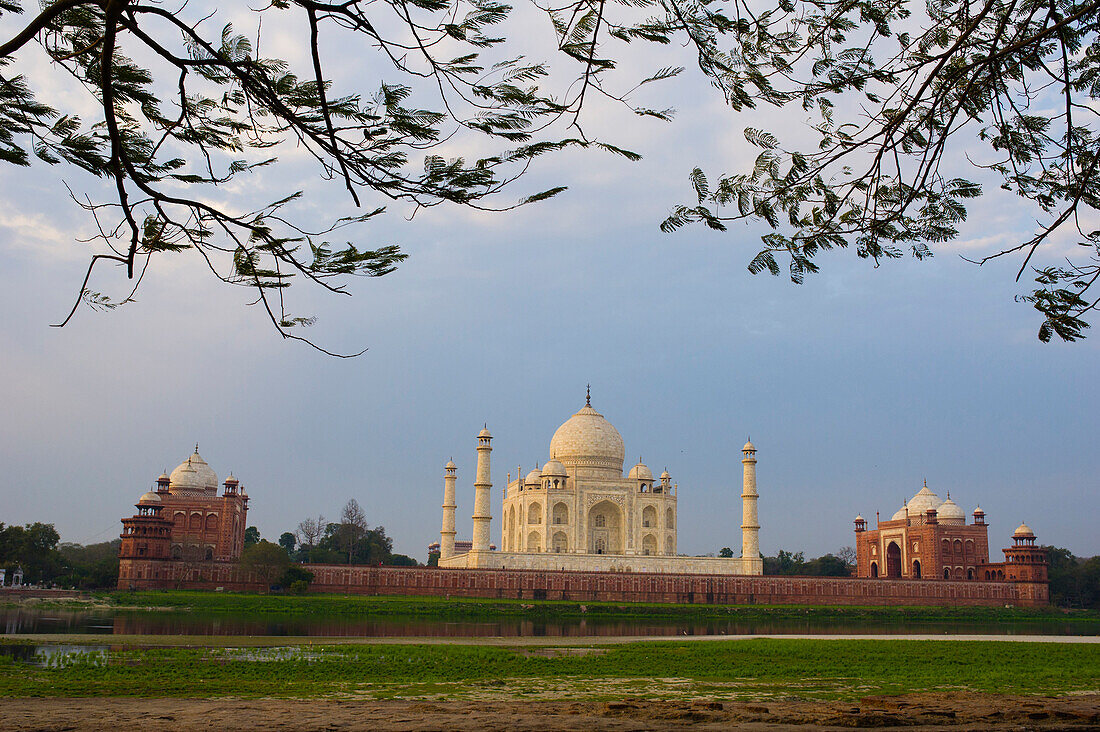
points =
(915, 106)
(186, 105)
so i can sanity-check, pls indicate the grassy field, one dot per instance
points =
(481, 609)
(721, 669)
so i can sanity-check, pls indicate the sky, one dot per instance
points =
(855, 387)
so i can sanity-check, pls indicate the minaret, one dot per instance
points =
(481, 493)
(447, 533)
(750, 522)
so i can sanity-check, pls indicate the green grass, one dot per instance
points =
(804, 668)
(483, 609)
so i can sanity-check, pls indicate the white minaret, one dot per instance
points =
(447, 533)
(481, 493)
(750, 521)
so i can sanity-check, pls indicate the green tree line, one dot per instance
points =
(44, 559)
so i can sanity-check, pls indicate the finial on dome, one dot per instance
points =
(926, 482)
(196, 448)
(588, 397)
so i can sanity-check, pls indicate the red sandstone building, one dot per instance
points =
(186, 519)
(929, 538)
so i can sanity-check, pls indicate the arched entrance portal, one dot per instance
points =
(605, 529)
(893, 560)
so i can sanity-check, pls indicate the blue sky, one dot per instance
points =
(855, 386)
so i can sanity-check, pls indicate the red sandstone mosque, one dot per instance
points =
(928, 538)
(185, 519)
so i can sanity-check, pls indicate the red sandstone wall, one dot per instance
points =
(593, 586)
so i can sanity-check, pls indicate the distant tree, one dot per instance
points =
(376, 548)
(401, 560)
(847, 555)
(784, 563)
(352, 528)
(90, 567)
(308, 533)
(1074, 582)
(725, 552)
(32, 547)
(287, 541)
(433, 559)
(269, 561)
(251, 536)
(296, 574)
(826, 566)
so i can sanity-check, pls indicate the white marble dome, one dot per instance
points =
(533, 478)
(919, 504)
(1023, 531)
(588, 440)
(640, 472)
(193, 474)
(148, 497)
(554, 469)
(949, 512)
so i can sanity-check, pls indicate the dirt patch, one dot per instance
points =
(914, 712)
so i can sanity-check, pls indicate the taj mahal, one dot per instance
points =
(579, 512)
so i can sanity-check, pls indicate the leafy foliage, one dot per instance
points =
(902, 96)
(91, 566)
(1074, 581)
(795, 564)
(269, 561)
(350, 541)
(38, 549)
(187, 105)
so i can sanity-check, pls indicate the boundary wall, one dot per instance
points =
(591, 586)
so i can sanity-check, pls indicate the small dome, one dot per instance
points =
(640, 472)
(484, 432)
(1023, 531)
(450, 465)
(162, 478)
(533, 478)
(554, 469)
(149, 497)
(231, 480)
(665, 475)
(979, 512)
(950, 511)
(748, 446)
(859, 518)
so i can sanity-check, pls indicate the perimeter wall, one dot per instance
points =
(590, 586)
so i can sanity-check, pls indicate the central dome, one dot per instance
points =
(193, 475)
(587, 440)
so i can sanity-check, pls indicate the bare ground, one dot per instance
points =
(940, 711)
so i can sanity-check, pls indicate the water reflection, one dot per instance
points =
(56, 655)
(28, 620)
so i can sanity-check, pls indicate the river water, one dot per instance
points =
(30, 620)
